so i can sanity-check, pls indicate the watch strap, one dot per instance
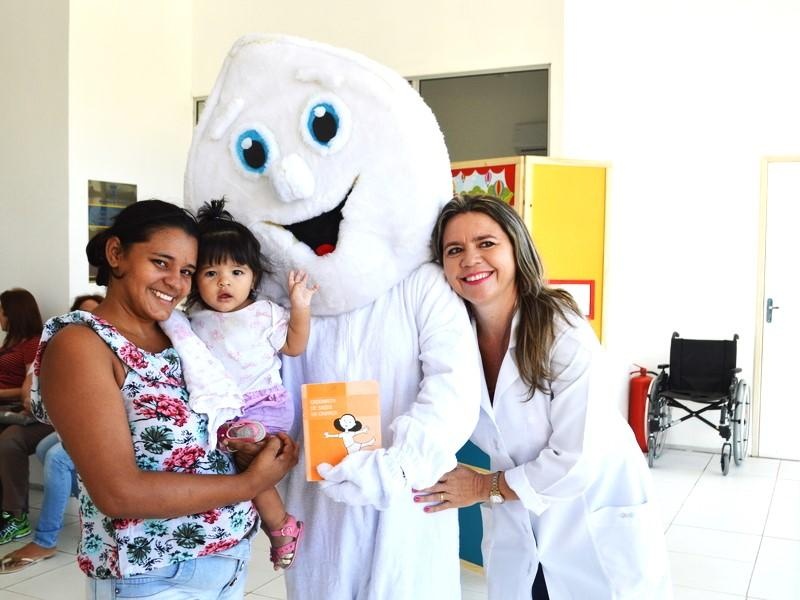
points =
(495, 495)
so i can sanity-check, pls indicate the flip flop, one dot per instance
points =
(12, 564)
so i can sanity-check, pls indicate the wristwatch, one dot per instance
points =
(495, 496)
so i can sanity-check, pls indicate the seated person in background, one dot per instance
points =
(60, 482)
(87, 302)
(21, 320)
(22, 323)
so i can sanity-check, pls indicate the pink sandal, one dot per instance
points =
(282, 557)
(244, 430)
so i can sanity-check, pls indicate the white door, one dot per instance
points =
(779, 401)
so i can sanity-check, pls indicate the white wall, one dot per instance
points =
(683, 98)
(130, 117)
(91, 90)
(33, 149)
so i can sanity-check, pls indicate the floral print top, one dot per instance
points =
(166, 436)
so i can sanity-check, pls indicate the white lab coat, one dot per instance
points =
(586, 502)
(416, 341)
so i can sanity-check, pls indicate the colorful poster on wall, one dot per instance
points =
(106, 199)
(495, 180)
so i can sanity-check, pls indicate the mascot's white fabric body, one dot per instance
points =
(340, 169)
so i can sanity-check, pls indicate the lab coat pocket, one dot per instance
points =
(630, 547)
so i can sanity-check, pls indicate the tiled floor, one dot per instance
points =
(730, 538)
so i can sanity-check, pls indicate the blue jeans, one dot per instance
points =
(48, 442)
(60, 481)
(220, 576)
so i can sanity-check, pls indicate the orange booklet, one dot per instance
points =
(339, 418)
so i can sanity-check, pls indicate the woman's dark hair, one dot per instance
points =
(76, 304)
(22, 314)
(222, 238)
(538, 304)
(135, 224)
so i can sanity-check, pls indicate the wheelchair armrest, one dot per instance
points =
(664, 366)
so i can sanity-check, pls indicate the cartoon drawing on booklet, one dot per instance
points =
(349, 427)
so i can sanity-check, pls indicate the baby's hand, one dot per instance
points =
(300, 293)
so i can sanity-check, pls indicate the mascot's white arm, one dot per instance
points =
(438, 421)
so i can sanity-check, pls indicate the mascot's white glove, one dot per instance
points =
(372, 477)
(378, 477)
(212, 391)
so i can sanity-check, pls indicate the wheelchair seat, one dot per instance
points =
(701, 370)
(705, 372)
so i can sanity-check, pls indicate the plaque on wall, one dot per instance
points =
(106, 200)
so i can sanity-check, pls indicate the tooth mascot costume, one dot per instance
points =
(340, 169)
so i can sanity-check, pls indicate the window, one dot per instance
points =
(491, 115)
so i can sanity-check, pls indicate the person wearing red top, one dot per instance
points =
(22, 323)
(21, 320)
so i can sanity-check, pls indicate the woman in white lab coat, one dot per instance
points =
(568, 508)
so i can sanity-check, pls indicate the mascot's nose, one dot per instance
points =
(293, 179)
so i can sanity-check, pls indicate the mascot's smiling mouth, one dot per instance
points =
(321, 233)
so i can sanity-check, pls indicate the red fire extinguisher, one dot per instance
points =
(637, 405)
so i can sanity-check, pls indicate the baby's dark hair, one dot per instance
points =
(222, 238)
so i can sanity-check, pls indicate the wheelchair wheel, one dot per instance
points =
(665, 418)
(741, 422)
(659, 415)
(725, 458)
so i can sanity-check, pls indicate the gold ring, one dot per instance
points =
(441, 496)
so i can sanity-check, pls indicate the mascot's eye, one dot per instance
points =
(326, 124)
(254, 150)
(323, 123)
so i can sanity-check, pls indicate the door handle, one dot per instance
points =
(770, 307)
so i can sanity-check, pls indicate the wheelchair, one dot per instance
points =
(703, 372)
